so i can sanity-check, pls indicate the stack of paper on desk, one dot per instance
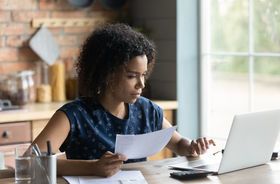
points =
(143, 145)
(122, 177)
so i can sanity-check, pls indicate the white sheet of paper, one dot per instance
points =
(124, 177)
(143, 145)
(72, 179)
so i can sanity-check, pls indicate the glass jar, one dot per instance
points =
(9, 88)
(22, 96)
(2, 87)
(29, 74)
(15, 87)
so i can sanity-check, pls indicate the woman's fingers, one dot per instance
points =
(211, 141)
(200, 145)
(109, 154)
(194, 148)
(110, 158)
(206, 142)
(115, 165)
(110, 163)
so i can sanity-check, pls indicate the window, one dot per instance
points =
(240, 60)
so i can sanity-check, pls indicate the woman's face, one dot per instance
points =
(130, 82)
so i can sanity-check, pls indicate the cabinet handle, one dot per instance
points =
(5, 134)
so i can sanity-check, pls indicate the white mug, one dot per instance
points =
(2, 161)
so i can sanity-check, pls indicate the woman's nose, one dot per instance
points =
(141, 82)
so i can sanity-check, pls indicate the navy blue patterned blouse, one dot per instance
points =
(93, 129)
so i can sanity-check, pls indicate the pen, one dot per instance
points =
(222, 151)
(49, 151)
(37, 149)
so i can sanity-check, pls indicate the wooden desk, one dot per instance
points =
(157, 172)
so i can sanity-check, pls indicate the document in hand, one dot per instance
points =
(143, 145)
(125, 177)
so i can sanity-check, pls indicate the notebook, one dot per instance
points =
(250, 143)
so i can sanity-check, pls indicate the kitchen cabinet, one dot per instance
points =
(20, 127)
(37, 127)
(12, 135)
(170, 115)
(24, 125)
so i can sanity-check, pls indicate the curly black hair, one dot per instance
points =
(106, 50)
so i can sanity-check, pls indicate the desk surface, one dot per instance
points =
(157, 172)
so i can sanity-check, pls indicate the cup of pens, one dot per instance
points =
(45, 165)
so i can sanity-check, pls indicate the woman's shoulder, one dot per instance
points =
(152, 112)
(73, 103)
(79, 103)
(143, 101)
(146, 103)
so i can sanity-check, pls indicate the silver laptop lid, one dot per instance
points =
(251, 140)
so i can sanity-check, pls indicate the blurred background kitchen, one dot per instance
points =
(28, 54)
(39, 45)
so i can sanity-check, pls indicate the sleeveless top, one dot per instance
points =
(93, 129)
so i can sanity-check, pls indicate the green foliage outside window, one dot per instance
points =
(230, 33)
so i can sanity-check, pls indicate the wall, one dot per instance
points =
(174, 26)
(16, 30)
(188, 73)
(158, 17)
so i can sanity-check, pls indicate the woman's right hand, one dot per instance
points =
(109, 164)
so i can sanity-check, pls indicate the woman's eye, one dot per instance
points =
(131, 76)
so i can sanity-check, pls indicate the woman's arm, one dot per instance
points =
(186, 147)
(56, 132)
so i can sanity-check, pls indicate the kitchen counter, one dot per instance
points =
(39, 111)
(36, 111)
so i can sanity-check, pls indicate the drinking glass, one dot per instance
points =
(24, 164)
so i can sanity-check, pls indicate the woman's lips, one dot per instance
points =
(136, 94)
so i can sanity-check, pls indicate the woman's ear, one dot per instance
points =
(114, 78)
(111, 82)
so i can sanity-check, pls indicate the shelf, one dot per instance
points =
(67, 22)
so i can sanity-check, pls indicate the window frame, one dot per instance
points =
(205, 54)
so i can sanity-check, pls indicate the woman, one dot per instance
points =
(112, 68)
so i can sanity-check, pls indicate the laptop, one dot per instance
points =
(250, 143)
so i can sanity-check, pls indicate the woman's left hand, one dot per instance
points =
(200, 146)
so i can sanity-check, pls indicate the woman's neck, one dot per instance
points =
(116, 108)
